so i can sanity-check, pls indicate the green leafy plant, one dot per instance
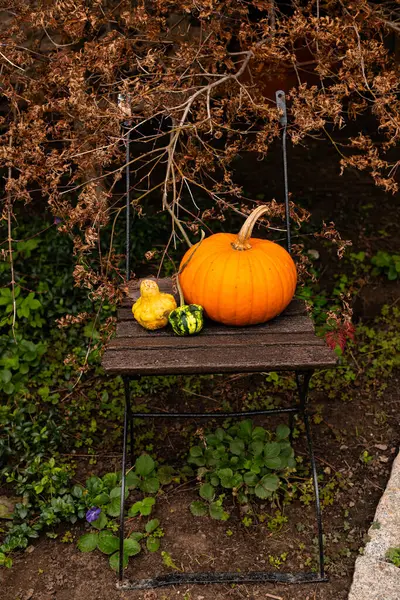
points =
(169, 561)
(386, 264)
(244, 459)
(393, 556)
(108, 543)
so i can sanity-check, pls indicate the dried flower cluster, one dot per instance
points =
(194, 82)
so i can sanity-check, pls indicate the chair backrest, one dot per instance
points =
(281, 105)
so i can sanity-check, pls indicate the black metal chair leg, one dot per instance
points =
(303, 382)
(122, 511)
(291, 427)
(317, 500)
(130, 425)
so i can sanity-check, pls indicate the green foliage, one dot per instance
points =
(386, 264)
(142, 507)
(105, 540)
(105, 493)
(169, 561)
(45, 501)
(368, 361)
(243, 459)
(393, 556)
(276, 523)
(277, 561)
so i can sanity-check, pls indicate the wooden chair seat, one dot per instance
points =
(288, 342)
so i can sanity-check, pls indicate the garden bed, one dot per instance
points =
(355, 427)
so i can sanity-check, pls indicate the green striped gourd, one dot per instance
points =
(187, 319)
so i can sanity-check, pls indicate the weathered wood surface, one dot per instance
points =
(288, 342)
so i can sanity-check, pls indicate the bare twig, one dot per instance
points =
(10, 240)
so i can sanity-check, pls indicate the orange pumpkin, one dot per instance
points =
(237, 279)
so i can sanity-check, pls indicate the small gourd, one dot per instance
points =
(187, 319)
(153, 307)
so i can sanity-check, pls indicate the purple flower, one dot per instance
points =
(93, 514)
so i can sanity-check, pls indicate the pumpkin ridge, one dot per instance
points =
(272, 261)
(210, 261)
(294, 274)
(285, 266)
(287, 263)
(194, 275)
(259, 256)
(239, 260)
(250, 268)
(229, 256)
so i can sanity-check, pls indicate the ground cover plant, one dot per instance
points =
(195, 94)
(66, 407)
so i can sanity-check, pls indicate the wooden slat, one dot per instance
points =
(221, 360)
(203, 341)
(128, 327)
(288, 342)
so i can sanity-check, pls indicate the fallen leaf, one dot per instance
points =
(7, 506)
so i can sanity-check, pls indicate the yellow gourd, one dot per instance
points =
(151, 310)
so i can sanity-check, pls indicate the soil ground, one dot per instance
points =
(51, 570)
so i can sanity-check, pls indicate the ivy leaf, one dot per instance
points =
(152, 525)
(114, 561)
(88, 542)
(107, 542)
(152, 544)
(207, 492)
(131, 547)
(144, 465)
(198, 508)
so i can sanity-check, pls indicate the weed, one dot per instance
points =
(393, 556)
(244, 459)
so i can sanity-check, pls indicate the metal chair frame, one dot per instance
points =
(302, 381)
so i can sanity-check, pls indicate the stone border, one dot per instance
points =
(374, 577)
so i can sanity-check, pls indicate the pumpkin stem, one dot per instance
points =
(242, 240)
